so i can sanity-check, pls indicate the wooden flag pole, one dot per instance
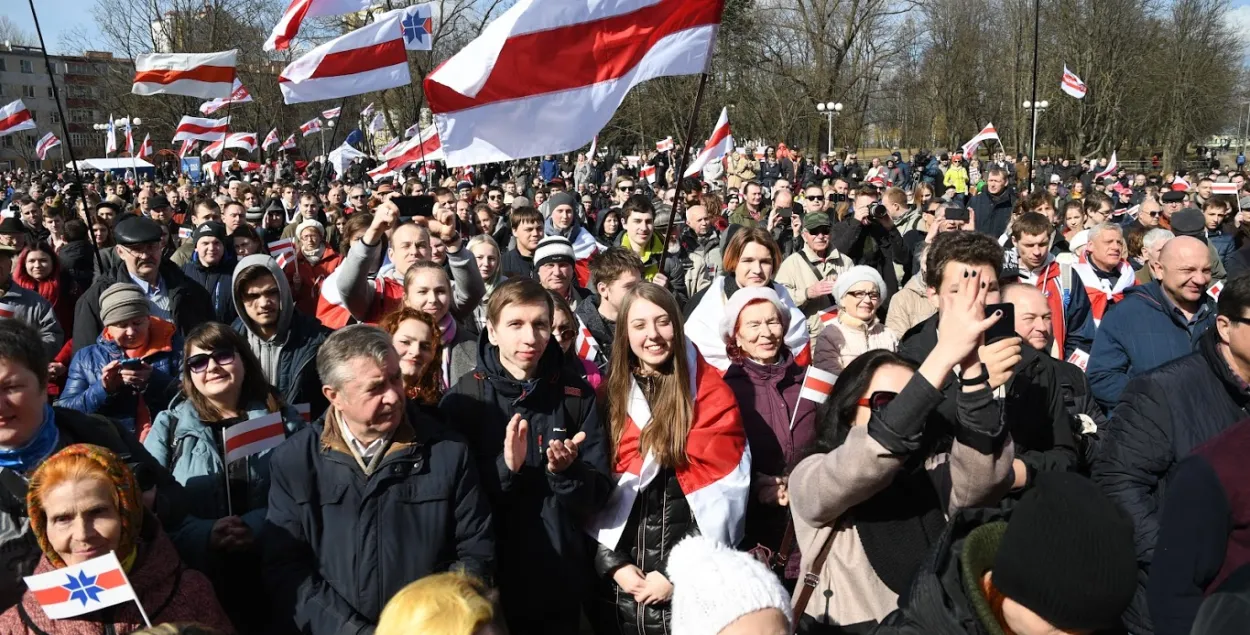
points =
(678, 174)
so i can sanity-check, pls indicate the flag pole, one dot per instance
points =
(678, 200)
(143, 613)
(226, 473)
(67, 142)
(325, 165)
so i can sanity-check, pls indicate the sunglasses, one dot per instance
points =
(819, 231)
(494, 198)
(877, 400)
(624, 188)
(199, 363)
(1154, 214)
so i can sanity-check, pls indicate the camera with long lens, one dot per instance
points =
(878, 211)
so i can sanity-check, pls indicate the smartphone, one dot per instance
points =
(1005, 327)
(132, 363)
(957, 213)
(410, 206)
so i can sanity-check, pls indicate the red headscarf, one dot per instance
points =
(50, 288)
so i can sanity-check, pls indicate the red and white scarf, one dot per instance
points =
(717, 478)
(1101, 292)
(1047, 281)
(703, 327)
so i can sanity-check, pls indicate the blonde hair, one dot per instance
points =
(442, 604)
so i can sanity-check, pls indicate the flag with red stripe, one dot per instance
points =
(238, 95)
(47, 142)
(586, 346)
(145, 148)
(81, 588)
(828, 315)
(603, 49)
(254, 436)
(130, 139)
(242, 140)
(201, 129)
(279, 247)
(299, 10)
(718, 145)
(309, 127)
(370, 58)
(14, 117)
(986, 134)
(7, 310)
(1071, 84)
(1224, 188)
(205, 75)
(425, 147)
(716, 478)
(270, 139)
(186, 148)
(817, 385)
(332, 113)
(1111, 168)
(664, 145)
(305, 411)
(647, 172)
(289, 144)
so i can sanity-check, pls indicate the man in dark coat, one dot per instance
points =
(212, 266)
(991, 209)
(374, 496)
(1163, 415)
(171, 295)
(870, 238)
(542, 455)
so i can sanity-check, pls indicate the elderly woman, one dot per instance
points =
(316, 261)
(766, 382)
(84, 502)
(856, 330)
(222, 386)
(129, 373)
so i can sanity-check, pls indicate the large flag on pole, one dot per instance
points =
(110, 137)
(299, 10)
(47, 142)
(373, 57)
(1111, 168)
(145, 148)
(186, 148)
(423, 147)
(717, 146)
(270, 139)
(206, 75)
(201, 129)
(603, 50)
(237, 96)
(289, 144)
(1071, 84)
(82, 588)
(14, 118)
(986, 134)
(130, 138)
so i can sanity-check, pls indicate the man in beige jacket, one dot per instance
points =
(809, 274)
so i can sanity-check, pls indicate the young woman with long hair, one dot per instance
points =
(428, 289)
(419, 343)
(675, 430)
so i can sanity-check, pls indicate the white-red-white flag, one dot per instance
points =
(424, 147)
(201, 129)
(587, 347)
(85, 587)
(664, 145)
(289, 144)
(238, 95)
(206, 75)
(647, 172)
(367, 111)
(1224, 189)
(299, 10)
(1179, 184)
(240, 140)
(130, 139)
(718, 145)
(47, 142)
(145, 148)
(270, 139)
(413, 129)
(110, 137)
(332, 113)
(254, 436)
(1071, 84)
(186, 148)
(1111, 168)
(389, 147)
(603, 49)
(14, 117)
(310, 127)
(986, 134)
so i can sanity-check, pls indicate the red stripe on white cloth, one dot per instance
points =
(305, 411)
(587, 346)
(47, 142)
(270, 139)
(254, 436)
(424, 147)
(717, 478)
(367, 59)
(986, 134)
(602, 52)
(15, 117)
(703, 327)
(1179, 184)
(817, 385)
(246, 166)
(206, 75)
(60, 598)
(717, 146)
(289, 144)
(299, 10)
(146, 149)
(1224, 188)
(828, 315)
(201, 129)
(1112, 166)
(7, 310)
(1071, 84)
(310, 127)
(238, 95)
(242, 140)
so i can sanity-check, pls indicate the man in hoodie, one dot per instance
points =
(1155, 323)
(212, 266)
(542, 455)
(171, 295)
(284, 340)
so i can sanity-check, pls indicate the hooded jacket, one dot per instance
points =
(703, 259)
(190, 305)
(289, 358)
(540, 546)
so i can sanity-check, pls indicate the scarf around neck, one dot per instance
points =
(26, 458)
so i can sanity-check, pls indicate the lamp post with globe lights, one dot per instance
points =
(134, 122)
(829, 109)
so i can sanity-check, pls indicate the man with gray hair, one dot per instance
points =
(1104, 273)
(1151, 244)
(374, 495)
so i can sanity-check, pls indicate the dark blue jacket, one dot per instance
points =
(217, 281)
(298, 381)
(1223, 243)
(85, 392)
(538, 515)
(1138, 334)
(339, 543)
(992, 213)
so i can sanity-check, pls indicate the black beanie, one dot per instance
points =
(1068, 555)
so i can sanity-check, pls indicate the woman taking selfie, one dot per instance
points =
(874, 492)
(428, 289)
(222, 386)
(83, 503)
(859, 292)
(751, 260)
(665, 463)
(766, 382)
(418, 342)
(130, 373)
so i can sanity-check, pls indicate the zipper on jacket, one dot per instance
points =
(639, 609)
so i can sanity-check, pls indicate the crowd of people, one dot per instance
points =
(559, 397)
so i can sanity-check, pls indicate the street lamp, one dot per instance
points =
(117, 123)
(829, 109)
(1034, 107)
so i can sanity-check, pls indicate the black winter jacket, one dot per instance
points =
(78, 259)
(992, 213)
(218, 281)
(1035, 414)
(339, 543)
(538, 515)
(298, 381)
(189, 303)
(659, 519)
(885, 249)
(1161, 417)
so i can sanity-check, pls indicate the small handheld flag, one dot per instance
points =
(83, 588)
(254, 436)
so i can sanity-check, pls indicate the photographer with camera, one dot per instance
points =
(869, 237)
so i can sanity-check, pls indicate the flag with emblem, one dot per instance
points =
(289, 144)
(310, 127)
(82, 588)
(418, 26)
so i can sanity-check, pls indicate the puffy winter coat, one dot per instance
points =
(846, 338)
(85, 392)
(1162, 416)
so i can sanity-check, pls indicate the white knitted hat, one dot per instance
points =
(299, 229)
(714, 585)
(856, 275)
(740, 299)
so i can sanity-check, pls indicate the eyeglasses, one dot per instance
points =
(877, 400)
(493, 197)
(860, 295)
(199, 363)
(356, 196)
(1154, 214)
(565, 334)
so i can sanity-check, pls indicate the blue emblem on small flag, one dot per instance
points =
(418, 24)
(83, 587)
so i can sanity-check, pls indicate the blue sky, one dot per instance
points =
(57, 17)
